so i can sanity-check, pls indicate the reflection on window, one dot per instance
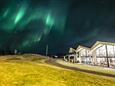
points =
(110, 50)
(85, 52)
(102, 50)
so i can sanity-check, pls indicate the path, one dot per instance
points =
(53, 62)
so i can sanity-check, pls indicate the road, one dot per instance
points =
(53, 62)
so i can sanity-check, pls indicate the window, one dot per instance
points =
(101, 51)
(110, 50)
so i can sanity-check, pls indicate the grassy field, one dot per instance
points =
(21, 71)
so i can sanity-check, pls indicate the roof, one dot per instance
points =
(82, 47)
(71, 50)
(96, 44)
(103, 43)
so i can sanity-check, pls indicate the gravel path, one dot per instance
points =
(53, 62)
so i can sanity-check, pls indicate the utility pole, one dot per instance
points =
(107, 56)
(15, 51)
(46, 50)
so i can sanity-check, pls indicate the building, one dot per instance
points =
(80, 55)
(71, 57)
(84, 55)
(103, 53)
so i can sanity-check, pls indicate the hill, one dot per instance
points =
(30, 70)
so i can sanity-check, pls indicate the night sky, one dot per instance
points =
(30, 25)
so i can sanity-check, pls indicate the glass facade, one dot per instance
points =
(85, 56)
(103, 52)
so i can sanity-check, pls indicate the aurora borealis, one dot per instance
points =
(30, 25)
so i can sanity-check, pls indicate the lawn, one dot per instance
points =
(21, 71)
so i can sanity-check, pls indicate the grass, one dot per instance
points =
(22, 72)
(89, 67)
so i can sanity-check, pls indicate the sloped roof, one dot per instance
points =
(71, 50)
(81, 47)
(103, 43)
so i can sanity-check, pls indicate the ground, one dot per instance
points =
(30, 70)
(88, 67)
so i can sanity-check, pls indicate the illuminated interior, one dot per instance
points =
(105, 51)
(85, 56)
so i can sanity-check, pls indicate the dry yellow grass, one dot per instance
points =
(21, 73)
